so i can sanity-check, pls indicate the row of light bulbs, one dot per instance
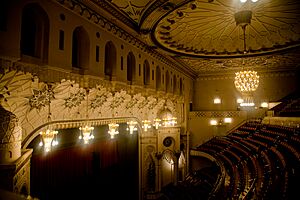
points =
(49, 136)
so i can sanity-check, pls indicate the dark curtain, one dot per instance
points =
(87, 171)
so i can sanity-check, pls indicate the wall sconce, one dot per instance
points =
(239, 100)
(264, 105)
(215, 122)
(217, 100)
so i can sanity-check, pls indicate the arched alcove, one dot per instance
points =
(110, 60)
(158, 78)
(80, 48)
(174, 84)
(34, 32)
(146, 73)
(131, 67)
(167, 81)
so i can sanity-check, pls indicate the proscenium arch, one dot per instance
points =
(64, 124)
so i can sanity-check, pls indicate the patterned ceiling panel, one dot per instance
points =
(133, 8)
(205, 28)
(207, 36)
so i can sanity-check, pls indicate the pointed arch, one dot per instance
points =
(167, 81)
(80, 48)
(180, 86)
(174, 84)
(158, 78)
(146, 73)
(35, 32)
(131, 67)
(110, 60)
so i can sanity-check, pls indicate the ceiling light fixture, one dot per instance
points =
(86, 132)
(49, 136)
(113, 129)
(246, 81)
(131, 126)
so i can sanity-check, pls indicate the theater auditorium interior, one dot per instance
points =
(149, 99)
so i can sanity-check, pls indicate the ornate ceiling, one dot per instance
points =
(207, 36)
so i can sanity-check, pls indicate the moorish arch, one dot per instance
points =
(34, 32)
(80, 48)
(110, 60)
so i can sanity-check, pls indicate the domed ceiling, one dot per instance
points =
(216, 36)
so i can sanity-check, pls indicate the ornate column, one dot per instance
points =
(14, 162)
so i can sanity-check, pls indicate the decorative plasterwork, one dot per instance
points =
(208, 29)
(276, 62)
(69, 102)
(82, 9)
(132, 8)
(209, 114)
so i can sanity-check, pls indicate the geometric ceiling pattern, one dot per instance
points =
(215, 36)
(203, 29)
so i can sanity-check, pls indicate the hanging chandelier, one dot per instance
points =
(86, 132)
(49, 136)
(156, 123)
(113, 129)
(48, 139)
(131, 126)
(146, 125)
(246, 81)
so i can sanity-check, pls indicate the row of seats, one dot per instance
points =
(262, 160)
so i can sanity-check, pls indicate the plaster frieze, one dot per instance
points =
(29, 99)
(215, 114)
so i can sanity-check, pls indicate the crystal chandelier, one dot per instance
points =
(113, 129)
(172, 121)
(246, 81)
(157, 123)
(48, 139)
(49, 136)
(146, 125)
(86, 132)
(131, 126)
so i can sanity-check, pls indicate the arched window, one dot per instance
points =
(167, 82)
(110, 60)
(35, 32)
(130, 67)
(174, 84)
(80, 48)
(180, 86)
(158, 78)
(146, 73)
